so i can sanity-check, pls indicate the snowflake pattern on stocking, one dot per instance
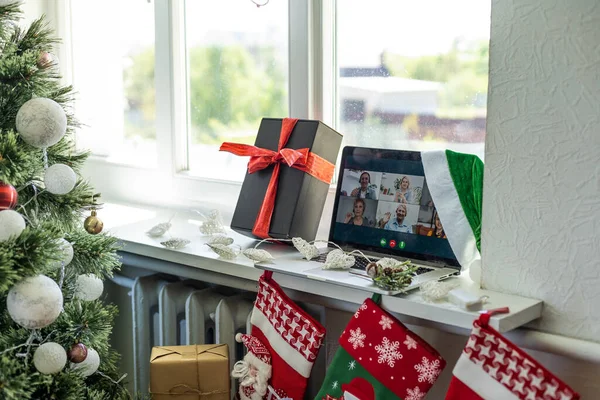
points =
(357, 338)
(362, 307)
(414, 394)
(410, 343)
(388, 352)
(386, 322)
(428, 370)
(351, 365)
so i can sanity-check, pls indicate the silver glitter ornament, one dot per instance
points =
(224, 251)
(258, 255)
(159, 230)
(175, 243)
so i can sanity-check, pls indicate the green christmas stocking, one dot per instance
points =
(379, 358)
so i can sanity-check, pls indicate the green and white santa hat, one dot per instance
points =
(455, 181)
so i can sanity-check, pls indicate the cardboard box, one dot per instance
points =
(300, 196)
(190, 372)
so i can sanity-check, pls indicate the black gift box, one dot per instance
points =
(300, 196)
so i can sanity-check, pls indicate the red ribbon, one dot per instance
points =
(302, 159)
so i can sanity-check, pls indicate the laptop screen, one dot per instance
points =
(383, 205)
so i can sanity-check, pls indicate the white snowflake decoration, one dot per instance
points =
(388, 352)
(363, 307)
(410, 343)
(159, 230)
(337, 259)
(386, 322)
(351, 365)
(334, 385)
(357, 338)
(309, 251)
(258, 255)
(428, 370)
(414, 394)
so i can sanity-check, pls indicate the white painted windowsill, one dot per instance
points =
(197, 261)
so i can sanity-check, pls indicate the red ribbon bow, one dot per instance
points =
(260, 158)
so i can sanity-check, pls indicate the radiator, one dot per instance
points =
(167, 311)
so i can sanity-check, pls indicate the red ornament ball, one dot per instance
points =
(8, 196)
(78, 353)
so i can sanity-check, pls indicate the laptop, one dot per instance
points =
(383, 208)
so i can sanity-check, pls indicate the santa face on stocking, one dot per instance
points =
(254, 370)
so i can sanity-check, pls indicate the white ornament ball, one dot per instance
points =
(66, 254)
(11, 224)
(88, 287)
(41, 122)
(35, 302)
(88, 366)
(60, 179)
(50, 358)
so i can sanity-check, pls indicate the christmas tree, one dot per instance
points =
(54, 329)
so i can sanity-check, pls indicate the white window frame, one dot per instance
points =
(311, 95)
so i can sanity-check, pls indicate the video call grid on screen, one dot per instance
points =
(379, 201)
(385, 203)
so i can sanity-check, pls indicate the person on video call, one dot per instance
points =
(357, 217)
(397, 224)
(404, 194)
(364, 191)
(438, 229)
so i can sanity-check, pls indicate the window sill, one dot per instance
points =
(197, 261)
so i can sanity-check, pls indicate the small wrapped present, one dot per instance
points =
(197, 372)
(291, 167)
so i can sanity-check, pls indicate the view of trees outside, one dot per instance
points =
(231, 89)
(412, 76)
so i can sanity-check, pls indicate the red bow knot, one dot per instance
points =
(260, 158)
(264, 157)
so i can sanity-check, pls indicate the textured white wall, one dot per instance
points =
(541, 232)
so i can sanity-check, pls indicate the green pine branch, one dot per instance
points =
(16, 381)
(94, 254)
(37, 37)
(18, 163)
(49, 217)
(28, 254)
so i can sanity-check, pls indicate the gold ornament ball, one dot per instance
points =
(93, 224)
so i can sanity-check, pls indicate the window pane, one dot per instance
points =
(113, 73)
(238, 63)
(413, 74)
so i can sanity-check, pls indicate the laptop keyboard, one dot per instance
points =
(362, 263)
